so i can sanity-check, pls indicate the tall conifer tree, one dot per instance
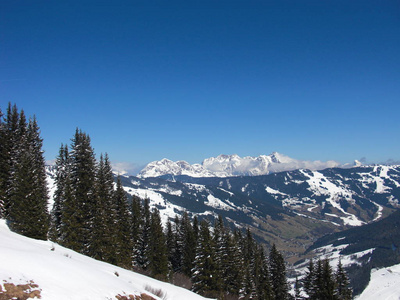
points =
(278, 274)
(83, 165)
(157, 254)
(123, 238)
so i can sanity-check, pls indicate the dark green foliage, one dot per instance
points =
(123, 239)
(187, 241)
(278, 274)
(382, 235)
(157, 253)
(204, 279)
(321, 283)
(136, 222)
(141, 255)
(60, 194)
(83, 174)
(104, 234)
(343, 290)
(23, 188)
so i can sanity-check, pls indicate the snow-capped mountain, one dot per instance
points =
(232, 165)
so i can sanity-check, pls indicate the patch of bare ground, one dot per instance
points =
(29, 290)
(142, 296)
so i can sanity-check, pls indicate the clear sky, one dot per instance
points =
(314, 80)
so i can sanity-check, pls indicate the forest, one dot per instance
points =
(92, 215)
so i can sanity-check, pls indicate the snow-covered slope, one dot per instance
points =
(232, 165)
(59, 273)
(364, 250)
(384, 284)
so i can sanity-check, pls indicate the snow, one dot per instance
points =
(384, 284)
(63, 274)
(167, 210)
(232, 165)
(320, 185)
(274, 192)
(217, 203)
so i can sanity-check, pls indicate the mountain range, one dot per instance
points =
(292, 209)
(232, 165)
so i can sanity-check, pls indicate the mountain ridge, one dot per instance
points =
(232, 165)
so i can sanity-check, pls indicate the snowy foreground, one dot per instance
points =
(384, 284)
(61, 273)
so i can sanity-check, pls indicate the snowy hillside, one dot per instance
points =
(54, 272)
(384, 284)
(232, 165)
(369, 249)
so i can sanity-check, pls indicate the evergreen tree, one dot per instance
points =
(297, 295)
(11, 139)
(157, 254)
(3, 162)
(203, 272)
(27, 209)
(142, 259)
(262, 276)
(220, 251)
(328, 287)
(278, 274)
(232, 265)
(248, 290)
(310, 280)
(39, 196)
(62, 172)
(343, 290)
(136, 225)
(123, 239)
(171, 243)
(103, 233)
(188, 242)
(83, 166)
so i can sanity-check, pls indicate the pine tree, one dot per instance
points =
(136, 225)
(103, 233)
(157, 254)
(297, 295)
(232, 265)
(39, 196)
(310, 280)
(188, 244)
(262, 275)
(69, 206)
(9, 154)
(171, 243)
(278, 274)
(203, 272)
(142, 259)
(83, 175)
(248, 290)
(3, 161)
(343, 290)
(61, 169)
(328, 287)
(220, 251)
(27, 209)
(123, 240)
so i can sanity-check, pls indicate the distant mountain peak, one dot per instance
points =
(232, 165)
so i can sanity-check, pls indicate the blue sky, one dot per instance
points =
(314, 80)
